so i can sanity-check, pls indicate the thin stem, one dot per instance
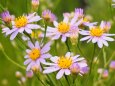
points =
(67, 45)
(67, 80)
(28, 36)
(45, 32)
(104, 56)
(39, 79)
(80, 50)
(12, 60)
(92, 58)
(109, 59)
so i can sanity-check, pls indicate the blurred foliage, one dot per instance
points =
(98, 9)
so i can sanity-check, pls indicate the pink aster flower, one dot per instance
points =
(6, 17)
(49, 16)
(36, 55)
(63, 29)
(97, 35)
(24, 23)
(63, 64)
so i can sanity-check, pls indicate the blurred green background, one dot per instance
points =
(98, 9)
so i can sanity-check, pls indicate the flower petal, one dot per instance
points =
(60, 74)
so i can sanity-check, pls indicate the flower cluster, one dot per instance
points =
(75, 26)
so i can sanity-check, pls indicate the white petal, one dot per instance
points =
(85, 38)
(50, 70)
(108, 38)
(33, 26)
(27, 61)
(60, 74)
(14, 34)
(28, 30)
(55, 23)
(34, 19)
(46, 48)
(105, 42)
(30, 44)
(54, 59)
(100, 44)
(67, 72)
(68, 54)
(82, 64)
(63, 38)
(94, 39)
(37, 45)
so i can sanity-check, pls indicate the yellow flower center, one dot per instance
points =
(63, 27)
(21, 21)
(96, 32)
(34, 54)
(64, 62)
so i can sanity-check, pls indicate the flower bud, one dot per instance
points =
(35, 4)
(29, 74)
(6, 17)
(75, 68)
(105, 74)
(112, 65)
(18, 74)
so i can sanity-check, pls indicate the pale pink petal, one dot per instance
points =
(28, 50)
(94, 39)
(33, 26)
(68, 54)
(82, 64)
(100, 44)
(30, 44)
(46, 48)
(66, 19)
(63, 38)
(108, 38)
(56, 37)
(29, 66)
(26, 56)
(60, 74)
(27, 61)
(14, 34)
(37, 45)
(28, 30)
(54, 59)
(46, 55)
(85, 38)
(34, 19)
(109, 34)
(21, 30)
(50, 70)
(55, 23)
(67, 72)
(75, 57)
(78, 59)
(105, 42)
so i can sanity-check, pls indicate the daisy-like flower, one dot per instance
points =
(36, 55)
(24, 23)
(63, 64)
(49, 16)
(97, 35)
(63, 29)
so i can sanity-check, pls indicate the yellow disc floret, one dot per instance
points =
(64, 62)
(63, 27)
(21, 21)
(34, 54)
(96, 32)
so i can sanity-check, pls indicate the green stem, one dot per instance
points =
(2, 8)
(92, 58)
(67, 45)
(104, 56)
(39, 79)
(67, 80)
(28, 36)
(8, 58)
(44, 38)
(80, 50)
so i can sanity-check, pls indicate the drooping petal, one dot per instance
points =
(85, 38)
(30, 44)
(100, 44)
(14, 34)
(46, 48)
(60, 74)
(50, 70)
(67, 72)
